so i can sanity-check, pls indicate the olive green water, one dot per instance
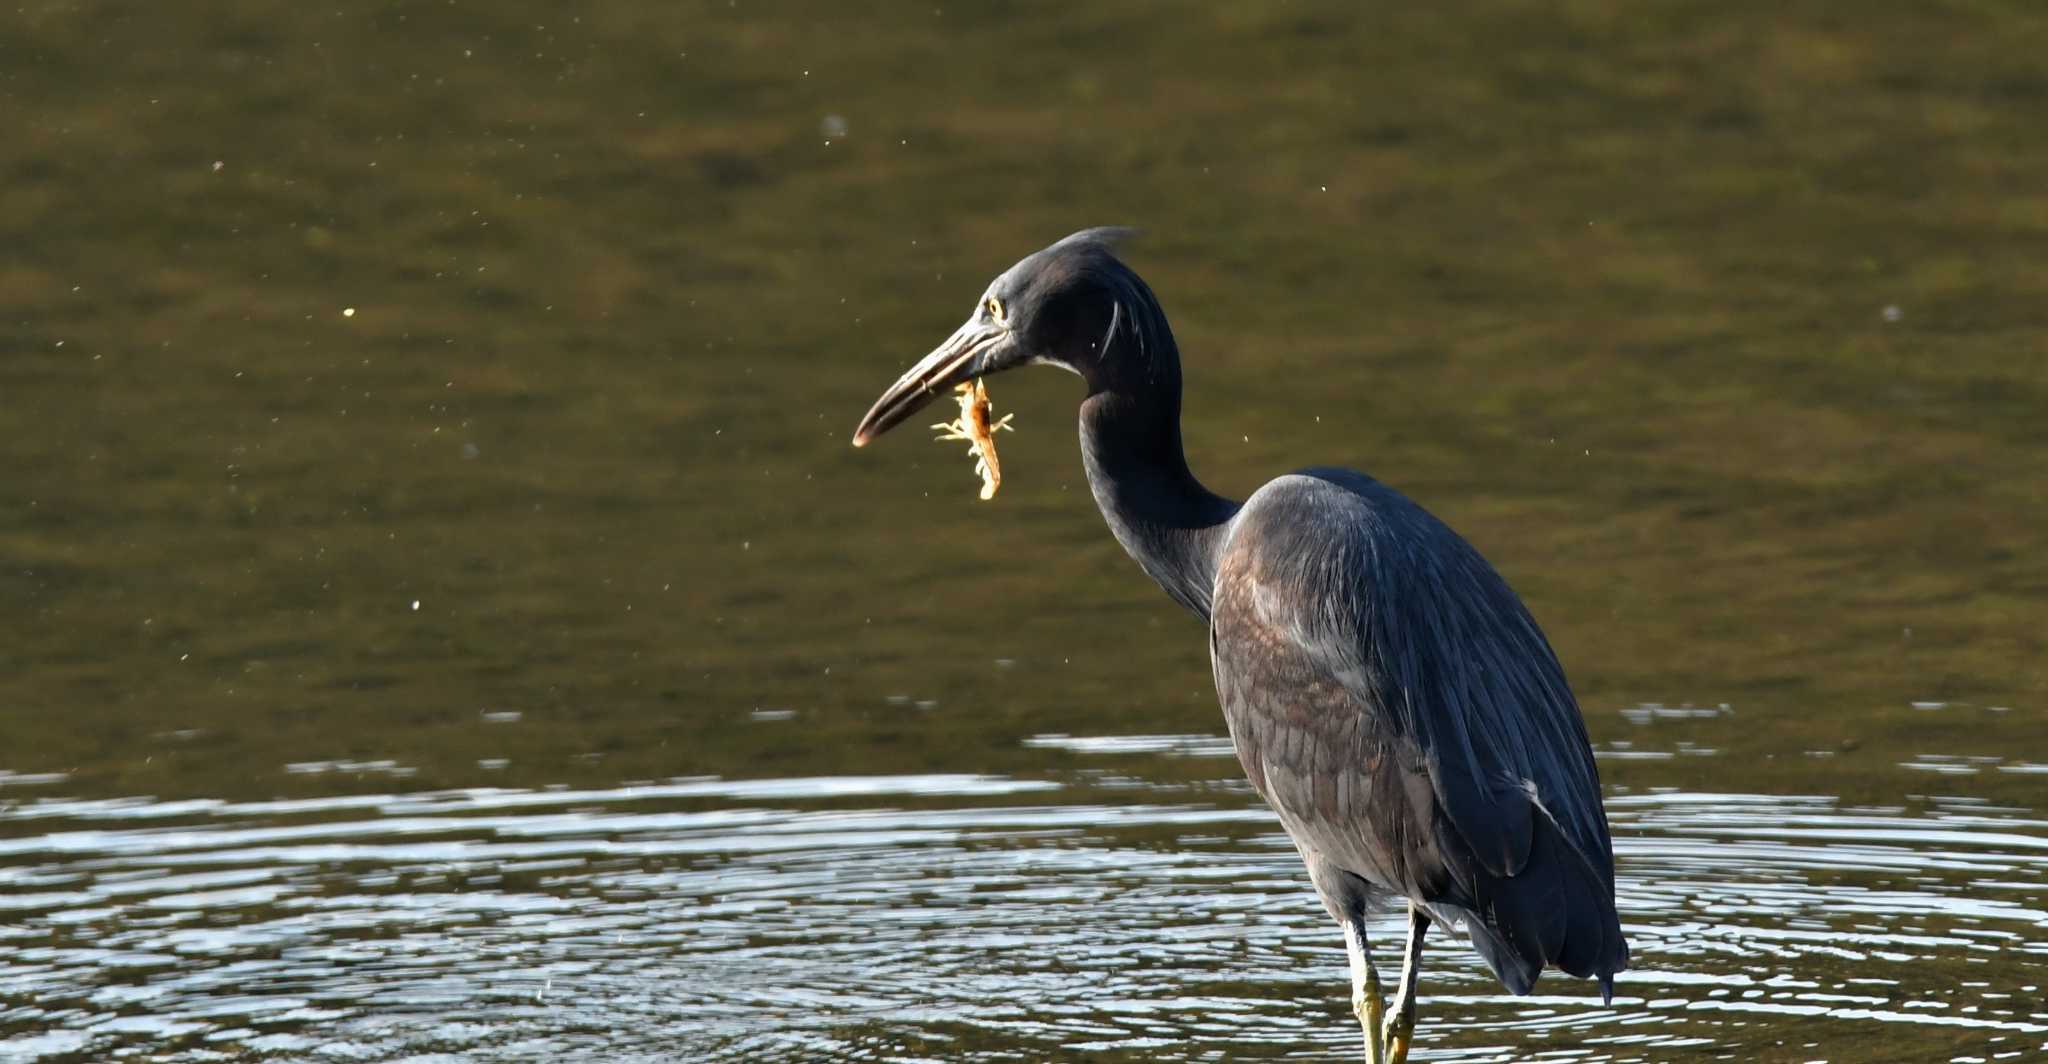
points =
(440, 616)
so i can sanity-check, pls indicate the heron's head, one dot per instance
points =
(1072, 305)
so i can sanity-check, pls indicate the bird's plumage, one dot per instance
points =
(1393, 701)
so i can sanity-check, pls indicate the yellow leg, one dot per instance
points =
(1398, 1035)
(1366, 1001)
(1399, 1029)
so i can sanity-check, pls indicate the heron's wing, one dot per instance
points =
(1399, 708)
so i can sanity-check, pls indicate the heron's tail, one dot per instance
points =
(1557, 911)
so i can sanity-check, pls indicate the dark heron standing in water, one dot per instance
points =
(1387, 693)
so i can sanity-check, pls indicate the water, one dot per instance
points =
(951, 917)
(441, 617)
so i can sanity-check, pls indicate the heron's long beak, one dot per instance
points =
(963, 356)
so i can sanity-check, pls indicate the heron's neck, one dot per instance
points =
(1163, 516)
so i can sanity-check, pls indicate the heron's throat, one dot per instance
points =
(1163, 516)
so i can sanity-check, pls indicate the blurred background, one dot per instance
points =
(441, 616)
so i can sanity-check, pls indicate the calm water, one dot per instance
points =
(440, 616)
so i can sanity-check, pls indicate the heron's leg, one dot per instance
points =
(1400, 1021)
(1366, 1001)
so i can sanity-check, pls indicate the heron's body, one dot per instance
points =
(1400, 711)
(1388, 695)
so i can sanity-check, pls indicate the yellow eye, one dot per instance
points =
(995, 310)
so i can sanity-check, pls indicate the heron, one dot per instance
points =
(1387, 693)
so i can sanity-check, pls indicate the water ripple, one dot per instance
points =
(961, 918)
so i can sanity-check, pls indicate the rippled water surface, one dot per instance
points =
(946, 917)
(441, 617)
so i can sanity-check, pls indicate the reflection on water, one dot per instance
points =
(948, 917)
